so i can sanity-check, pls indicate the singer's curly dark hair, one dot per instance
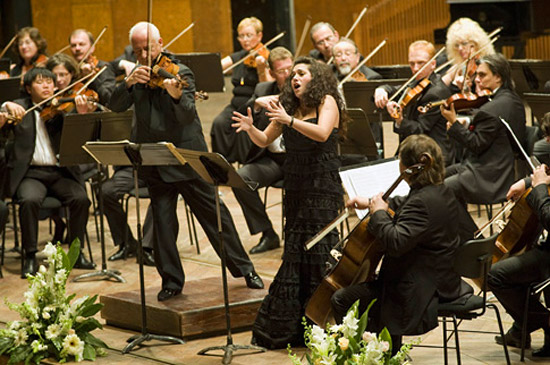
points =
(323, 82)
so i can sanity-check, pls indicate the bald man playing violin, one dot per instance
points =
(410, 121)
(167, 112)
(510, 278)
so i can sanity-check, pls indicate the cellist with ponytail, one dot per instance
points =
(418, 244)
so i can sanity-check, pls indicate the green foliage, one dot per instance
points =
(53, 324)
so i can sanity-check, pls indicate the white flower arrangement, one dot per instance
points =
(349, 343)
(50, 325)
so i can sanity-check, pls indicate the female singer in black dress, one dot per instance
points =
(310, 113)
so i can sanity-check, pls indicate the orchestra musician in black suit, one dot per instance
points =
(409, 120)
(168, 114)
(487, 169)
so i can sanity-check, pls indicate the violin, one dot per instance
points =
(461, 101)
(39, 62)
(93, 62)
(409, 97)
(359, 76)
(259, 50)
(65, 103)
(166, 69)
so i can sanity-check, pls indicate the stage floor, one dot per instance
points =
(476, 348)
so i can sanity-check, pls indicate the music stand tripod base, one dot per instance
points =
(228, 351)
(107, 274)
(137, 340)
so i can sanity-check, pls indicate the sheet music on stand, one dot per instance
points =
(371, 178)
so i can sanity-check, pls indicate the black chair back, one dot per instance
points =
(474, 257)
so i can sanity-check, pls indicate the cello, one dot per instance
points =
(360, 256)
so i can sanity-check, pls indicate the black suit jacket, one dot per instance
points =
(417, 270)
(104, 84)
(161, 118)
(488, 165)
(20, 156)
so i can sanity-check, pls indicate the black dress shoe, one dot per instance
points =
(30, 267)
(148, 258)
(266, 243)
(544, 351)
(123, 252)
(166, 294)
(513, 339)
(83, 263)
(253, 280)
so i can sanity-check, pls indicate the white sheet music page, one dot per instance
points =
(370, 180)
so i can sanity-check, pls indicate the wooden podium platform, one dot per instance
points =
(197, 312)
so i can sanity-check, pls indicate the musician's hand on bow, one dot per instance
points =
(516, 190)
(15, 110)
(277, 113)
(173, 87)
(380, 98)
(377, 203)
(127, 66)
(243, 122)
(3, 119)
(358, 202)
(540, 177)
(140, 76)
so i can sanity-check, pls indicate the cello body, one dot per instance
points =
(358, 263)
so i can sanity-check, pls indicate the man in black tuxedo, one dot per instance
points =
(264, 165)
(418, 245)
(169, 114)
(487, 169)
(410, 121)
(34, 172)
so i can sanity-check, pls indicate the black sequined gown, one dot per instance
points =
(313, 196)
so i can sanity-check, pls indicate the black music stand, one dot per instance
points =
(530, 75)
(207, 68)
(214, 169)
(539, 105)
(360, 94)
(10, 89)
(77, 130)
(125, 153)
(359, 139)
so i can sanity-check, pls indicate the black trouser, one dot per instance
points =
(509, 280)
(226, 141)
(265, 171)
(200, 197)
(35, 186)
(3, 215)
(112, 191)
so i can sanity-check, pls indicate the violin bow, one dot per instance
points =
(149, 19)
(361, 14)
(8, 46)
(57, 94)
(365, 60)
(179, 35)
(63, 49)
(508, 206)
(87, 54)
(416, 74)
(307, 24)
(507, 125)
(254, 53)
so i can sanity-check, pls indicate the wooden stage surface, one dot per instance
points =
(476, 348)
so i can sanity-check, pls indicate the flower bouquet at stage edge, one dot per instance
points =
(53, 324)
(349, 343)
